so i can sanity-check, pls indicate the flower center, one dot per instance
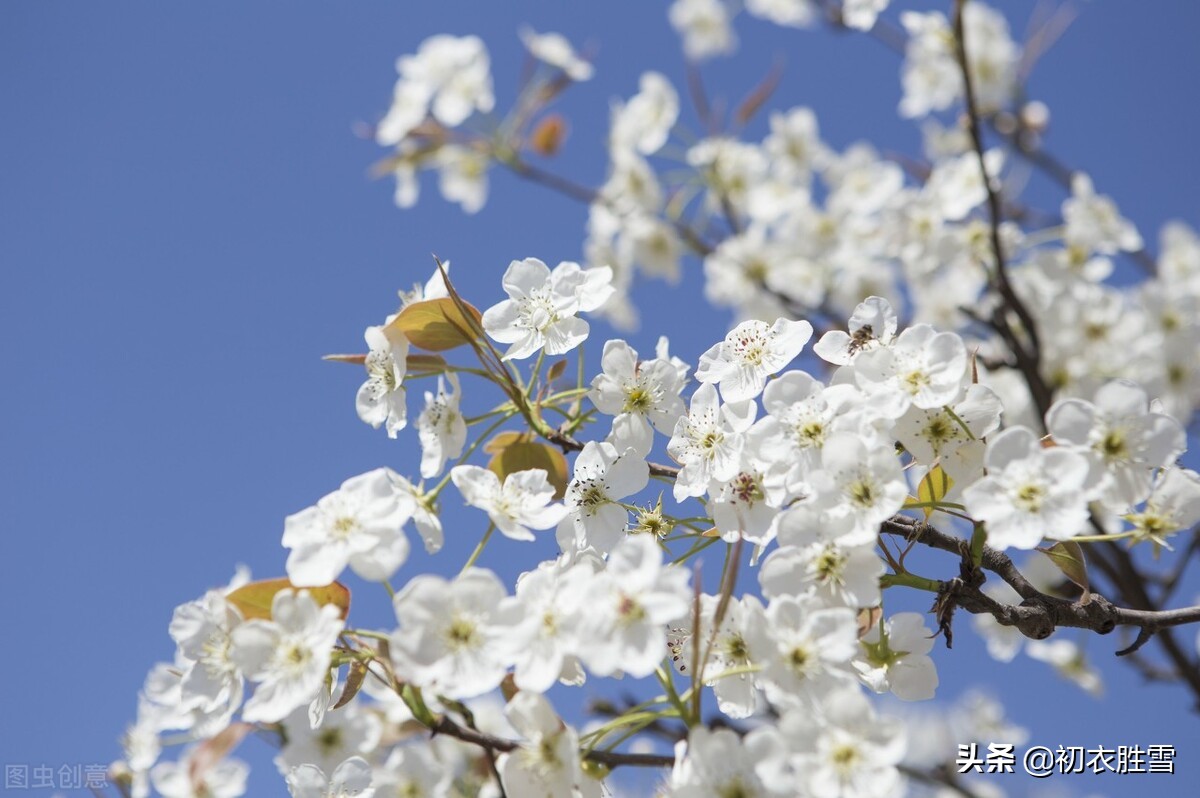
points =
(1030, 497)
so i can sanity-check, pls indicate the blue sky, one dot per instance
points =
(187, 225)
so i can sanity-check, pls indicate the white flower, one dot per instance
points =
(719, 763)
(923, 368)
(732, 648)
(602, 478)
(451, 635)
(1093, 222)
(351, 779)
(412, 770)
(873, 324)
(708, 441)
(540, 311)
(187, 778)
(645, 121)
(747, 504)
(381, 397)
(424, 514)
(837, 575)
(704, 26)
(1031, 492)
(553, 599)
(1069, 660)
(350, 731)
(449, 76)
(750, 353)
(857, 487)
(288, 655)
(359, 525)
(211, 683)
(440, 427)
(555, 50)
(630, 604)
(846, 751)
(463, 176)
(1131, 440)
(1174, 504)
(938, 433)
(523, 501)
(793, 13)
(895, 658)
(547, 763)
(642, 396)
(806, 649)
(861, 14)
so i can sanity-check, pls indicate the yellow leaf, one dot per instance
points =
(254, 600)
(512, 452)
(425, 364)
(436, 325)
(933, 488)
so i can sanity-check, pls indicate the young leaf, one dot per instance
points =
(520, 454)
(354, 683)
(254, 600)
(933, 488)
(436, 325)
(1068, 556)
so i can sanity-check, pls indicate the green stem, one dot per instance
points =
(479, 548)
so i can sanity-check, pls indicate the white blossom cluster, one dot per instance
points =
(789, 450)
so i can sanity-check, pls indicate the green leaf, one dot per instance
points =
(436, 325)
(1068, 556)
(254, 600)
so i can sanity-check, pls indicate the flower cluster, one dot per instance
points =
(988, 378)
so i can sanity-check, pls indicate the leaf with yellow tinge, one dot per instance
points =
(425, 364)
(254, 600)
(354, 683)
(513, 451)
(1068, 556)
(933, 488)
(436, 325)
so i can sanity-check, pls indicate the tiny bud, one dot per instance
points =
(1035, 115)
(548, 136)
(1005, 123)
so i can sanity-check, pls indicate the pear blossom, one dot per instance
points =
(381, 397)
(1173, 505)
(225, 778)
(644, 122)
(713, 763)
(448, 77)
(936, 434)
(552, 600)
(643, 396)
(631, 603)
(923, 368)
(351, 779)
(1031, 492)
(846, 750)
(747, 505)
(732, 648)
(211, 683)
(359, 525)
(835, 574)
(451, 633)
(806, 649)
(750, 353)
(873, 324)
(441, 427)
(1121, 430)
(547, 764)
(707, 442)
(856, 488)
(895, 658)
(861, 14)
(1094, 223)
(555, 50)
(521, 503)
(412, 770)
(352, 730)
(603, 476)
(705, 27)
(463, 176)
(424, 515)
(288, 656)
(540, 311)
(793, 13)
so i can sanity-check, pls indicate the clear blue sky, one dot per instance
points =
(186, 225)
